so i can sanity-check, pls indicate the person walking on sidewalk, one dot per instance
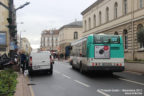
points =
(23, 59)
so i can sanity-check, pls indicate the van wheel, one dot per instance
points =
(51, 70)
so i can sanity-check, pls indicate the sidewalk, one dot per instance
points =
(135, 67)
(22, 88)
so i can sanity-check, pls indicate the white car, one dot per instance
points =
(41, 61)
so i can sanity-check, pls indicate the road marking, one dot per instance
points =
(57, 72)
(134, 73)
(66, 76)
(86, 85)
(103, 93)
(31, 91)
(132, 81)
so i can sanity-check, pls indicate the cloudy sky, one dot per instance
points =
(47, 14)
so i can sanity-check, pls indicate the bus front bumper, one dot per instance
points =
(105, 68)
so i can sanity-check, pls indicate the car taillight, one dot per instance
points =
(30, 61)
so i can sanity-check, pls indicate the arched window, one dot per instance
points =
(116, 10)
(116, 33)
(75, 35)
(125, 36)
(141, 3)
(85, 24)
(89, 23)
(100, 16)
(125, 7)
(107, 14)
(94, 20)
(139, 27)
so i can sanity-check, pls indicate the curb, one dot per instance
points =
(30, 87)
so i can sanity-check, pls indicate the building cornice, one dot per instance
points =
(92, 6)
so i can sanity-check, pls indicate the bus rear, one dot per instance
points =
(105, 53)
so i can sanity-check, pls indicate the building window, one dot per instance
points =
(94, 20)
(116, 33)
(125, 36)
(100, 14)
(107, 14)
(141, 3)
(75, 35)
(116, 10)
(85, 24)
(89, 23)
(125, 7)
(140, 27)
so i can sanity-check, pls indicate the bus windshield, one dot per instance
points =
(106, 39)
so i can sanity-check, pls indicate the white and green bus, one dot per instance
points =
(98, 53)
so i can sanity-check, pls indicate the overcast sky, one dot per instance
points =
(47, 14)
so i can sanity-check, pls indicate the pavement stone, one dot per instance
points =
(22, 88)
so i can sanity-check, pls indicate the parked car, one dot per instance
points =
(41, 61)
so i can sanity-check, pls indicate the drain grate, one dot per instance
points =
(30, 84)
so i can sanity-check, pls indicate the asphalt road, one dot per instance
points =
(68, 82)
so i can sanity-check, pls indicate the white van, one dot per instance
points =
(41, 61)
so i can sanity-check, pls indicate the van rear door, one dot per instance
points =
(41, 60)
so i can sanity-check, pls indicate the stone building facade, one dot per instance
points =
(49, 40)
(4, 31)
(68, 33)
(119, 17)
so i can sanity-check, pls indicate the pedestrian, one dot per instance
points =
(23, 59)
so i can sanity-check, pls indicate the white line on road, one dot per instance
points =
(132, 81)
(103, 93)
(86, 85)
(57, 72)
(66, 76)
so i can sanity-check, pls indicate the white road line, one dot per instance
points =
(103, 93)
(86, 85)
(134, 73)
(57, 72)
(66, 76)
(132, 81)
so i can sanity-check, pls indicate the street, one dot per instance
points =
(66, 81)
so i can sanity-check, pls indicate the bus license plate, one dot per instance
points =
(107, 64)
